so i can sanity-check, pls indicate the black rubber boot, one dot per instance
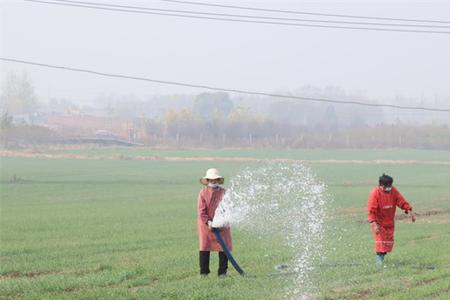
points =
(223, 264)
(204, 262)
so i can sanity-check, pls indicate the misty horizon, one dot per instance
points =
(379, 66)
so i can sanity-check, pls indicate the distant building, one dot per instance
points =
(21, 119)
(98, 127)
(104, 134)
(35, 118)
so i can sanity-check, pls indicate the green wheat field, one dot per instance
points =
(121, 228)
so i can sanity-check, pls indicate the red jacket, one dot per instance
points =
(208, 201)
(381, 206)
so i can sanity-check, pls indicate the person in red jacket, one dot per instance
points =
(209, 198)
(383, 201)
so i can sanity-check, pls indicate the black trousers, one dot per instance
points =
(204, 263)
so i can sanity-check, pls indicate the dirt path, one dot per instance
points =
(7, 153)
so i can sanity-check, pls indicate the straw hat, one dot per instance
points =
(211, 174)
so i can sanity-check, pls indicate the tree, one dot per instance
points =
(290, 112)
(18, 95)
(5, 128)
(5, 121)
(209, 105)
(181, 123)
(330, 118)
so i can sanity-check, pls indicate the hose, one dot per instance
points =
(225, 249)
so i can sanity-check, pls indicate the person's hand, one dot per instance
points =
(413, 216)
(375, 227)
(210, 225)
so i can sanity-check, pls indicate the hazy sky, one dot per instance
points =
(235, 55)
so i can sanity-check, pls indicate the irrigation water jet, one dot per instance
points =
(280, 202)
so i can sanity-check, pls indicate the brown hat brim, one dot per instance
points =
(204, 181)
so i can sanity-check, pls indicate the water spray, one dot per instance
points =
(282, 202)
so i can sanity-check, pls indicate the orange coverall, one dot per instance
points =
(381, 210)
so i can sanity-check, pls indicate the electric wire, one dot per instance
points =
(240, 20)
(249, 16)
(304, 12)
(231, 90)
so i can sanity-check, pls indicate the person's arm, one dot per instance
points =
(372, 206)
(403, 204)
(202, 209)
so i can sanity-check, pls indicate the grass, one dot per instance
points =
(124, 229)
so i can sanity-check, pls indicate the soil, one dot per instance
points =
(37, 154)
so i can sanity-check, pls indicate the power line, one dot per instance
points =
(241, 20)
(249, 16)
(304, 12)
(201, 86)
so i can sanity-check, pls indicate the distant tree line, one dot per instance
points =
(18, 135)
(217, 120)
(239, 129)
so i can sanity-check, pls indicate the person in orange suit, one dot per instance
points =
(209, 198)
(383, 201)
